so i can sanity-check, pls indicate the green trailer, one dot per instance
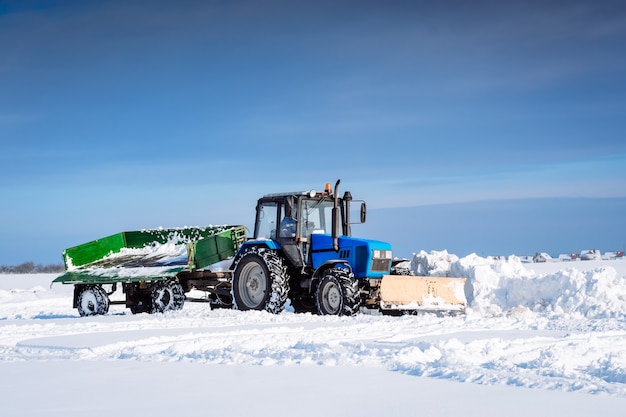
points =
(155, 268)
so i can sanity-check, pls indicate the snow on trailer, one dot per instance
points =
(155, 266)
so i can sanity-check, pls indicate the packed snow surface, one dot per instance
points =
(536, 339)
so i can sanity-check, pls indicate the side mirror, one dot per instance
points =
(363, 212)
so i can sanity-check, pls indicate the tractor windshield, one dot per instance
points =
(316, 216)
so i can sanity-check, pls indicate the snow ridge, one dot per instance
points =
(495, 286)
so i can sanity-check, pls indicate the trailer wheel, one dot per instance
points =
(260, 281)
(166, 296)
(92, 300)
(338, 293)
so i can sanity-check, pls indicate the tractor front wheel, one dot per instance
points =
(338, 293)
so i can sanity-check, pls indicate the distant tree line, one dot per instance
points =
(31, 268)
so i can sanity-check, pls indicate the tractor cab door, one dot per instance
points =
(277, 219)
(288, 232)
(315, 218)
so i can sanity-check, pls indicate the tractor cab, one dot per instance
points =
(292, 220)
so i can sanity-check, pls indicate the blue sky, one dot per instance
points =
(123, 115)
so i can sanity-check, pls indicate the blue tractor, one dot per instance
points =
(303, 251)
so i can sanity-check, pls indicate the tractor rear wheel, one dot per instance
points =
(92, 300)
(260, 281)
(338, 293)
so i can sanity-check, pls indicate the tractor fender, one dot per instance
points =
(331, 263)
(261, 243)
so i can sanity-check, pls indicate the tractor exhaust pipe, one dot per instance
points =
(336, 217)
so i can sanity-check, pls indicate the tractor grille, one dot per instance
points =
(381, 265)
(381, 260)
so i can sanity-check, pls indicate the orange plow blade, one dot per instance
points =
(421, 293)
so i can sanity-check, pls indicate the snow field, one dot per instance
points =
(535, 331)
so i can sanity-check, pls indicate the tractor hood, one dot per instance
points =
(369, 258)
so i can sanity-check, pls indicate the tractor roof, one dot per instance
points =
(288, 194)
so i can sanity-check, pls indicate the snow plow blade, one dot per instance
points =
(409, 293)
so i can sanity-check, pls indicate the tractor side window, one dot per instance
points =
(288, 227)
(266, 221)
(288, 222)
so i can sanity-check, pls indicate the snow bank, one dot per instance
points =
(497, 285)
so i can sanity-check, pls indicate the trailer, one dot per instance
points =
(154, 267)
